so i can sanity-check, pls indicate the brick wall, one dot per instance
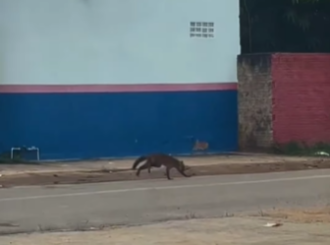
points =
(283, 98)
(301, 98)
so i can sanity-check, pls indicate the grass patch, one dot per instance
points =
(302, 149)
(18, 158)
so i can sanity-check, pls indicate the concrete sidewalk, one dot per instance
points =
(125, 165)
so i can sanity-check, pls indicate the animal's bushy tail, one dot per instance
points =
(138, 161)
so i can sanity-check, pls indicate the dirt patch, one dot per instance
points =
(243, 231)
(124, 175)
(311, 215)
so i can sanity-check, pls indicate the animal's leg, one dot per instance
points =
(168, 173)
(144, 166)
(149, 166)
(181, 171)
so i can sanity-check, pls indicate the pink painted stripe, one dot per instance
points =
(116, 88)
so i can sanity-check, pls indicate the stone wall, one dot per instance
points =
(254, 101)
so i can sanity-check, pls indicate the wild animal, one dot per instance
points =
(157, 160)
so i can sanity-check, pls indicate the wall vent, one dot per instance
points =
(202, 29)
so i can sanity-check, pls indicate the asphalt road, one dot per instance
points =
(27, 209)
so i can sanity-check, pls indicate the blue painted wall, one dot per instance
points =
(92, 125)
(116, 42)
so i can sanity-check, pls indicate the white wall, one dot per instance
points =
(116, 41)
